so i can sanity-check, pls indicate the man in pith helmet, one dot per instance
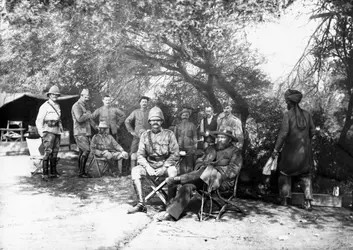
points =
(157, 155)
(50, 127)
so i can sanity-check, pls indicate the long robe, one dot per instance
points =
(297, 156)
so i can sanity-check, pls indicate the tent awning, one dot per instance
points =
(6, 98)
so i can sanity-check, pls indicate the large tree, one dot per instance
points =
(330, 53)
(201, 43)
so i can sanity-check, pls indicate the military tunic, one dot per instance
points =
(81, 117)
(157, 150)
(140, 118)
(103, 142)
(49, 127)
(113, 116)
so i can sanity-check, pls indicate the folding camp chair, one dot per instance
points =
(36, 152)
(218, 197)
(13, 132)
(157, 184)
(101, 164)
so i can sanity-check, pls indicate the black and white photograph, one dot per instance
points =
(176, 124)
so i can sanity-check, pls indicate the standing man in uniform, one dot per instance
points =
(227, 119)
(112, 115)
(157, 155)
(207, 124)
(50, 127)
(186, 135)
(140, 118)
(81, 116)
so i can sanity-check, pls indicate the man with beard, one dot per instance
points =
(157, 155)
(226, 118)
(81, 116)
(104, 145)
(296, 159)
(216, 170)
(186, 135)
(50, 127)
(139, 117)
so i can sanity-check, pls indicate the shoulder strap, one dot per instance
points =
(54, 110)
(150, 141)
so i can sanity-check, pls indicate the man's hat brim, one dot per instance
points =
(215, 133)
(144, 97)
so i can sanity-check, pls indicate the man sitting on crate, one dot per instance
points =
(104, 145)
(157, 155)
(217, 168)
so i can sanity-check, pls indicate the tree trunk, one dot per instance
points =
(347, 125)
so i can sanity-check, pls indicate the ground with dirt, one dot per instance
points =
(77, 213)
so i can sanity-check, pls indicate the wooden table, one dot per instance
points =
(19, 131)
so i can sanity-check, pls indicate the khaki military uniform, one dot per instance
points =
(49, 127)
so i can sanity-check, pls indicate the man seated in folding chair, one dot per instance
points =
(157, 155)
(218, 167)
(103, 145)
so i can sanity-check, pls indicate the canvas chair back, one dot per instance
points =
(14, 124)
(35, 147)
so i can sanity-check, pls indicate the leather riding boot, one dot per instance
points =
(79, 162)
(45, 166)
(190, 177)
(83, 162)
(140, 207)
(53, 172)
(172, 190)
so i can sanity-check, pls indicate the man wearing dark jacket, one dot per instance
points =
(296, 158)
(216, 170)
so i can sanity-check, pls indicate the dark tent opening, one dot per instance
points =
(24, 107)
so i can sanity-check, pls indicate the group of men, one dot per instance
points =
(155, 151)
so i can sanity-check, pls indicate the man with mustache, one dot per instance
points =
(216, 169)
(157, 155)
(226, 118)
(83, 123)
(104, 145)
(50, 127)
(139, 117)
(186, 135)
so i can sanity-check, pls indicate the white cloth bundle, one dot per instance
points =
(271, 165)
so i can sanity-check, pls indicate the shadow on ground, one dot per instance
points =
(120, 190)
(117, 189)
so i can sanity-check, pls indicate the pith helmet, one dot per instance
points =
(54, 90)
(155, 112)
(103, 124)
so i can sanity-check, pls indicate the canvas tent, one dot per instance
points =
(24, 107)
